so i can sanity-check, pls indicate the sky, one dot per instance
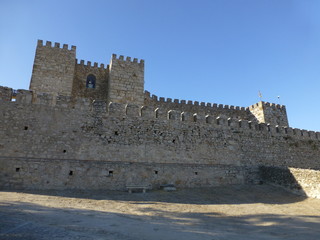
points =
(217, 51)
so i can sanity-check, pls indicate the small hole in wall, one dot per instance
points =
(195, 173)
(116, 133)
(25, 127)
(70, 173)
(64, 151)
(173, 141)
(155, 172)
(110, 173)
(17, 169)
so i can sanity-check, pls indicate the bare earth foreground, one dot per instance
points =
(233, 212)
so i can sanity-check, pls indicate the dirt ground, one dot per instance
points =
(233, 212)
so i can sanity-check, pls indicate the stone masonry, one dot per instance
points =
(105, 132)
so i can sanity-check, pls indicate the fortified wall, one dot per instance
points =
(103, 131)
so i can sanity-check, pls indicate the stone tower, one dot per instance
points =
(273, 114)
(126, 80)
(53, 68)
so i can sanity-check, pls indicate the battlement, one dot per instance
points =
(127, 59)
(193, 103)
(55, 45)
(268, 104)
(89, 64)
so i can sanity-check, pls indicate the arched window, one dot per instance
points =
(91, 81)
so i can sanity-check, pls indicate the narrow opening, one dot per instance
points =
(195, 118)
(218, 121)
(183, 118)
(25, 127)
(157, 112)
(110, 173)
(91, 81)
(207, 119)
(17, 169)
(249, 123)
(116, 133)
(195, 173)
(240, 123)
(277, 129)
(156, 172)
(229, 122)
(268, 126)
(70, 173)
(64, 151)
(173, 141)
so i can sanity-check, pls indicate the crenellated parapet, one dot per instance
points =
(49, 44)
(198, 107)
(150, 98)
(124, 59)
(95, 65)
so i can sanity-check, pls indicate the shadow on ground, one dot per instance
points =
(245, 194)
(29, 221)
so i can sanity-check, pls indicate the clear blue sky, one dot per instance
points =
(218, 51)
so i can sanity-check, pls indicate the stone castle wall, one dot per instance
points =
(63, 134)
(93, 138)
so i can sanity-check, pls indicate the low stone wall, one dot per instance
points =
(21, 173)
(297, 180)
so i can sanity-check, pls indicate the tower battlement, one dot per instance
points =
(127, 59)
(89, 64)
(40, 43)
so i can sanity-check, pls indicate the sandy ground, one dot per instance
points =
(233, 212)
